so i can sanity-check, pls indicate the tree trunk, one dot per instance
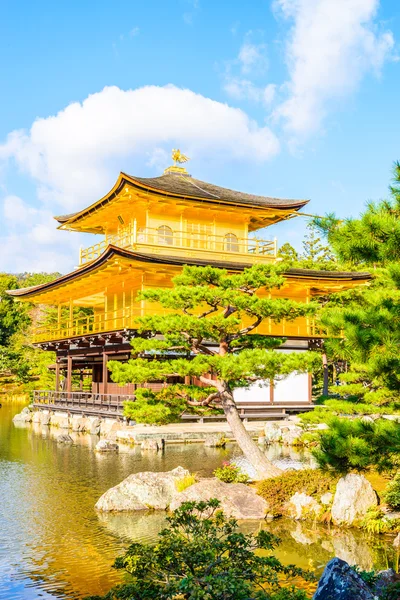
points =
(325, 388)
(264, 468)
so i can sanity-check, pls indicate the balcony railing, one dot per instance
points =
(82, 402)
(128, 318)
(177, 242)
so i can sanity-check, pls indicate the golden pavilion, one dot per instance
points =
(148, 229)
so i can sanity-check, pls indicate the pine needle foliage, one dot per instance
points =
(209, 334)
(209, 331)
(365, 322)
(359, 445)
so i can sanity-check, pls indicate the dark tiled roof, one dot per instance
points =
(188, 187)
(112, 251)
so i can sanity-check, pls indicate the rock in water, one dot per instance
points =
(106, 446)
(354, 496)
(142, 491)
(216, 440)
(273, 433)
(237, 500)
(340, 582)
(302, 506)
(291, 434)
(150, 444)
(64, 438)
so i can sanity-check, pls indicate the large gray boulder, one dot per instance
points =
(237, 499)
(340, 582)
(354, 496)
(142, 491)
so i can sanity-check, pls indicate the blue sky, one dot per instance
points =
(292, 98)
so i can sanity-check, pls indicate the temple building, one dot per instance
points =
(146, 229)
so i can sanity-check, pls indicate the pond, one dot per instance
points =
(54, 545)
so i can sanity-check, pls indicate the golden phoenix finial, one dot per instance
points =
(178, 157)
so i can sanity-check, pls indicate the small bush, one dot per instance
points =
(392, 592)
(375, 522)
(368, 577)
(316, 416)
(278, 490)
(185, 482)
(392, 493)
(230, 473)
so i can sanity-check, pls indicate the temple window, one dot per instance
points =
(231, 243)
(165, 235)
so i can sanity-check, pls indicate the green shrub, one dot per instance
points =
(185, 482)
(392, 592)
(230, 473)
(392, 493)
(278, 490)
(309, 438)
(368, 577)
(316, 416)
(375, 521)
(359, 445)
(201, 555)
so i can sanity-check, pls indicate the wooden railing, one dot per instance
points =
(105, 404)
(128, 318)
(177, 242)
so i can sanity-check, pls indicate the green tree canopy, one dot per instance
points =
(208, 333)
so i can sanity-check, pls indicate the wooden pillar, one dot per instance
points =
(271, 391)
(69, 373)
(105, 373)
(57, 375)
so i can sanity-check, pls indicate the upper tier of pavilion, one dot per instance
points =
(182, 194)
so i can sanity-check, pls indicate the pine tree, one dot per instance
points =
(314, 251)
(208, 335)
(288, 253)
(368, 318)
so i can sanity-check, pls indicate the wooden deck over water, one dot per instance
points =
(111, 405)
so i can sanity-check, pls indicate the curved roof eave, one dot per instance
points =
(114, 251)
(179, 186)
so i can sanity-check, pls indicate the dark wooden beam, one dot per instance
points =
(105, 373)
(69, 374)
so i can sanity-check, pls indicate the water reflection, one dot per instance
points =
(53, 544)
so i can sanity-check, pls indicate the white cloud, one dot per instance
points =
(332, 45)
(241, 74)
(252, 57)
(244, 89)
(27, 245)
(74, 156)
(134, 31)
